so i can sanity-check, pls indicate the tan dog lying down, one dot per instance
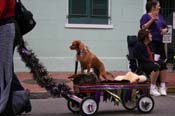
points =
(132, 77)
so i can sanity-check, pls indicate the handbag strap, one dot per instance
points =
(18, 1)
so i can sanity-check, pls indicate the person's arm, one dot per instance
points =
(148, 24)
(164, 26)
(2, 5)
(147, 20)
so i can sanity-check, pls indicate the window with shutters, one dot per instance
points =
(88, 12)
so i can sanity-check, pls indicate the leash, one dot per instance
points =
(76, 66)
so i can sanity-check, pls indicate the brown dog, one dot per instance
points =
(88, 60)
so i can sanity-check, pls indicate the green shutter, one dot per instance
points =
(77, 8)
(99, 8)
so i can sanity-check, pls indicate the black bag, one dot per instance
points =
(24, 18)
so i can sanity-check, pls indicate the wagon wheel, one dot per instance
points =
(89, 106)
(129, 99)
(73, 107)
(145, 104)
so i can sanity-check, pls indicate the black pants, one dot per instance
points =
(158, 48)
(16, 83)
(151, 66)
(18, 40)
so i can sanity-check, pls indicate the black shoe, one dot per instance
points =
(9, 113)
(28, 107)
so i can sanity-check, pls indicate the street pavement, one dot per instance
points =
(164, 106)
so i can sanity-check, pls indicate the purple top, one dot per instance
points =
(155, 27)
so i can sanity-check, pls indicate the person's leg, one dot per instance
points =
(163, 73)
(153, 76)
(9, 107)
(161, 49)
(17, 86)
(7, 37)
(153, 88)
(162, 88)
(16, 83)
(158, 48)
(17, 41)
(152, 70)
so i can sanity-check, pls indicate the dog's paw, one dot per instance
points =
(72, 77)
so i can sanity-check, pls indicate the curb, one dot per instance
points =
(171, 89)
(40, 95)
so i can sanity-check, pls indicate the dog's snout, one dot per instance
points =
(72, 47)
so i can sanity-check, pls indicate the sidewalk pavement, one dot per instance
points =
(37, 92)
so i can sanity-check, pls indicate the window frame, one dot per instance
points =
(89, 26)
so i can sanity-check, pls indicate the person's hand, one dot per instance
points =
(164, 31)
(154, 15)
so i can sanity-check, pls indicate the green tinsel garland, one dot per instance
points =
(40, 73)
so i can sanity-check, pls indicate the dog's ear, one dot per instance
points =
(76, 43)
(81, 46)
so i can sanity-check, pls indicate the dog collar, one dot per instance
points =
(81, 52)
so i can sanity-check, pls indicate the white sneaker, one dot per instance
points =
(154, 92)
(162, 91)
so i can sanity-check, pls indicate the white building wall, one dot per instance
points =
(50, 39)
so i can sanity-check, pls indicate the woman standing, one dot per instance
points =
(153, 21)
(7, 35)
